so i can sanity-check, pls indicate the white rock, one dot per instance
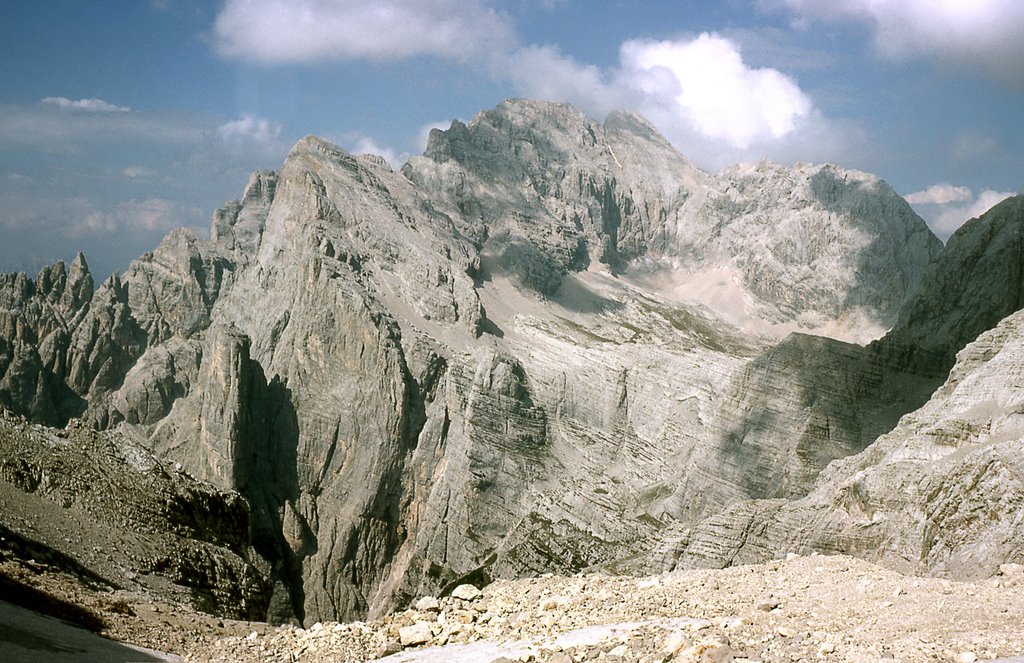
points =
(466, 592)
(415, 634)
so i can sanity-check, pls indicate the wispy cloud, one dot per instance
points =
(423, 135)
(137, 172)
(298, 31)
(984, 34)
(18, 178)
(249, 129)
(91, 105)
(115, 210)
(940, 194)
(55, 128)
(357, 143)
(947, 207)
(367, 145)
(698, 90)
(150, 216)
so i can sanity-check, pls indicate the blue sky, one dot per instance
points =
(122, 120)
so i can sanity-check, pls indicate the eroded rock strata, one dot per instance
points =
(550, 344)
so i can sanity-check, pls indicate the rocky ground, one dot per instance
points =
(804, 608)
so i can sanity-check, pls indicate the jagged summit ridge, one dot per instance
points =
(558, 192)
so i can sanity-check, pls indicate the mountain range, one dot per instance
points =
(547, 344)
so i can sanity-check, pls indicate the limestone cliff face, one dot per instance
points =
(804, 239)
(941, 493)
(977, 281)
(62, 344)
(238, 226)
(172, 290)
(521, 353)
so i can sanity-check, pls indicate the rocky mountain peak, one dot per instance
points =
(975, 282)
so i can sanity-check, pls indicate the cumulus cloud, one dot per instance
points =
(983, 33)
(701, 95)
(940, 194)
(249, 129)
(698, 91)
(946, 207)
(706, 82)
(297, 31)
(91, 105)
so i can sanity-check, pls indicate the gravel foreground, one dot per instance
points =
(804, 608)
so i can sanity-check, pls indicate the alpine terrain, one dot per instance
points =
(547, 345)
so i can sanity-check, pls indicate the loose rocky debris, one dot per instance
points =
(805, 608)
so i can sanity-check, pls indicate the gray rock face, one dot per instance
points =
(61, 343)
(977, 281)
(940, 494)
(548, 344)
(238, 226)
(172, 290)
(557, 191)
(912, 498)
(803, 241)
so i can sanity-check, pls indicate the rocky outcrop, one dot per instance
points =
(172, 290)
(39, 348)
(977, 281)
(101, 507)
(804, 240)
(238, 226)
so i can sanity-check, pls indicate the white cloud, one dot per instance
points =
(940, 194)
(946, 207)
(984, 33)
(543, 72)
(706, 81)
(150, 214)
(700, 94)
(249, 129)
(92, 105)
(318, 30)
(50, 128)
(367, 145)
(133, 216)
